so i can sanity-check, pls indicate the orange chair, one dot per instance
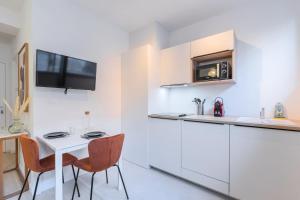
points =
(32, 161)
(103, 154)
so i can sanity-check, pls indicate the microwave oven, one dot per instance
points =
(212, 70)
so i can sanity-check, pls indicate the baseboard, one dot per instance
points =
(145, 166)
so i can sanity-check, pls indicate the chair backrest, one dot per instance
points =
(105, 152)
(30, 149)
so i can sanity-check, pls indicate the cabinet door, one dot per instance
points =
(205, 149)
(264, 164)
(165, 145)
(135, 104)
(213, 44)
(175, 65)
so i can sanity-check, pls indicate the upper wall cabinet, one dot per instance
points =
(213, 44)
(175, 65)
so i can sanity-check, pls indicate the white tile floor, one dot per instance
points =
(12, 182)
(142, 184)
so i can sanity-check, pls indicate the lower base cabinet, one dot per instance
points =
(205, 154)
(246, 163)
(264, 164)
(195, 151)
(165, 145)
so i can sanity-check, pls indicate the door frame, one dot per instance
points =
(4, 149)
(5, 91)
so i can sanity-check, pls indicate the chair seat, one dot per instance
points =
(84, 164)
(48, 163)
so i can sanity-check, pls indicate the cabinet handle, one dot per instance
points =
(206, 122)
(264, 127)
(164, 118)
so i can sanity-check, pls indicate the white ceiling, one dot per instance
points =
(173, 14)
(134, 14)
(14, 5)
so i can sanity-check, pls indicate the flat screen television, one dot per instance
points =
(59, 71)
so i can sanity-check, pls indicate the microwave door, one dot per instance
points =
(207, 72)
(202, 74)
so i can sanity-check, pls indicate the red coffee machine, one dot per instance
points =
(219, 107)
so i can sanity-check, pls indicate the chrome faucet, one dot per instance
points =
(200, 105)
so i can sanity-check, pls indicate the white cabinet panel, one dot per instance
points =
(206, 181)
(264, 164)
(165, 145)
(205, 149)
(175, 65)
(213, 44)
(135, 104)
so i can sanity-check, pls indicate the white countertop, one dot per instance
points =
(282, 124)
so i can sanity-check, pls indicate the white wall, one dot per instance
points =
(65, 28)
(62, 30)
(9, 21)
(157, 37)
(267, 60)
(6, 56)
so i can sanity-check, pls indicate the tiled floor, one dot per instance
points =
(142, 184)
(12, 182)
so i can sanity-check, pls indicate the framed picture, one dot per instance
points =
(23, 74)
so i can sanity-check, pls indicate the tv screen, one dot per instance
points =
(58, 71)
(49, 69)
(80, 74)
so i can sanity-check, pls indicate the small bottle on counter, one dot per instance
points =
(279, 111)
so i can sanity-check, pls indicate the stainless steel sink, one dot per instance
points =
(253, 120)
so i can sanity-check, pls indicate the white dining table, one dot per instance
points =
(60, 146)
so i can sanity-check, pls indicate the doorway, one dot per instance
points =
(11, 177)
(2, 94)
(9, 146)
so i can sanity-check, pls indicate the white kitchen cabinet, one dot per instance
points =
(165, 145)
(205, 154)
(175, 65)
(135, 65)
(213, 44)
(264, 164)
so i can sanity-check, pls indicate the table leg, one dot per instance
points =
(58, 176)
(17, 152)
